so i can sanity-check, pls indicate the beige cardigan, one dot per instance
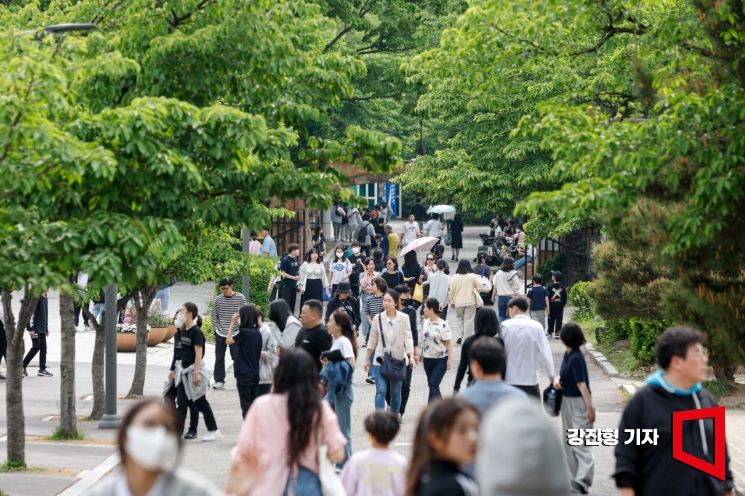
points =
(461, 289)
(400, 341)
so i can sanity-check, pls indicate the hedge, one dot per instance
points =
(641, 333)
(579, 297)
(260, 271)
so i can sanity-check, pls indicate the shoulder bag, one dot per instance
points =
(330, 483)
(392, 369)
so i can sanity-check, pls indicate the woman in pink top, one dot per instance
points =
(277, 450)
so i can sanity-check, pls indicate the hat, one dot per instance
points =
(558, 275)
(343, 287)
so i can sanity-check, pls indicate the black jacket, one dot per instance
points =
(40, 323)
(651, 470)
(350, 305)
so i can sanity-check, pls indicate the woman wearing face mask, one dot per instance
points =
(171, 390)
(339, 269)
(356, 258)
(149, 447)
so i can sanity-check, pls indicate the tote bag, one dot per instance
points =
(330, 483)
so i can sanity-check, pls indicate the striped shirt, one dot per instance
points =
(374, 306)
(223, 310)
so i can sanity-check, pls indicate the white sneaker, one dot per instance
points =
(219, 385)
(212, 436)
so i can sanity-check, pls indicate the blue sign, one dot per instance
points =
(391, 197)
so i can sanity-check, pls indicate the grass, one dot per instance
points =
(618, 353)
(59, 435)
(720, 389)
(14, 466)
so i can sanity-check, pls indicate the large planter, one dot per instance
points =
(170, 332)
(156, 335)
(126, 342)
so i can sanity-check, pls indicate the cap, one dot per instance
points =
(343, 287)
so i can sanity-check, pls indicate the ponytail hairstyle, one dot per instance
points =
(437, 419)
(342, 320)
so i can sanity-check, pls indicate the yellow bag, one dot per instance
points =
(418, 293)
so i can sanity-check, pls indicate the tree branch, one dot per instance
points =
(177, 20)
(338, 36)
(371, 97)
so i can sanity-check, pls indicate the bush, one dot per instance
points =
(209, 333)
(579, 297)
(556, 263)
(641, 333)
(260, 270)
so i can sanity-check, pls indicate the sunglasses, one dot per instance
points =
(430, 260)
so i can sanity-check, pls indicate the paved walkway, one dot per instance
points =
(75, 460)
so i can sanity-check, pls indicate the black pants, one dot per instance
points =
(78, 311)
(220, 346)
(289, 295)
(170, 398)
(555, 319)
(3, 343)
(182, 404)
(39, 345)
(435, 369)
(263, 389)
(247, 391)
(533, 391)
(405, 390)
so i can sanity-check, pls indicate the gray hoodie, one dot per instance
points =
(520, 453)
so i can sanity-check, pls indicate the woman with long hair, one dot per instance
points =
(486, 324)
(437, 347)
(319, 242)
(463, 292)
(411, 269)
(392, 275)
(506, 286)
(373, 307)
(284, 326)
(445, 442)
(313, 280)
(170, 395)
(281, 432)
(341, 392)
(245, 346)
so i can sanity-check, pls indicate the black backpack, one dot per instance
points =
(362, 232)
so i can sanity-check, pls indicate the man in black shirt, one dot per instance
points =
(313, 336)
(290, 270)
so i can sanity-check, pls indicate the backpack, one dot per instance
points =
(362, 232)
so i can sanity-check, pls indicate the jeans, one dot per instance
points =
(247, 391)
(97, 310)
(435, 369)
(381, 386)
(220, 346)
(405, 391)
(307, 483)
(343, 396)
(502, 307)
(163, 295)
(38, 345)
(337, 230)
(522, 261)
(555, 319)
(200, 404)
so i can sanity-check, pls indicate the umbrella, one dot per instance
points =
(420, 244)
(441, 209)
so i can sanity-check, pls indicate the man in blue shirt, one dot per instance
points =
(538, 296)
(290, 270)
(268, 247)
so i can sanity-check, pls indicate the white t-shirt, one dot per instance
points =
(434, 227)
(343, 344)
(411, 229)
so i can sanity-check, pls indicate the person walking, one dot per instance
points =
(444, 444)
(378, 471)
(577, 411)
(254, 247)
(354, 219)
(367, 287)
(81, 283)
(646, 469)
(340, 269)
(3, 339)
(364, 234)
(411, 269)
(313, 337)
(433, 227)
(269, 356)
(481, 269)
(268, 246)
(538, 297)
(319, 243)
(277, 448)
(172, 391)
(344, 301)
(392, 274)
(526, 347)
(439, 287)
(191, 380)
(557, 300)
(405, 306)
(506, 286)
(456, 236)
(411, 231)
(337, 375)
(290, 270)
(487, 361)
(486, 324)
(393, 240)
(149, 449)
(373, 307)
(437, 347)
(39, 330)
(313, 281)
(393, 328)
(357, 259)
(336, 216)
(245, 346)
(224, 307)
(464, 291)
(284, 326)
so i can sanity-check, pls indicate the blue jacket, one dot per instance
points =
(337, 373)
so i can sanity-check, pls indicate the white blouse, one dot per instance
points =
(312, 271)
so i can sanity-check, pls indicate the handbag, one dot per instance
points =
(418, 293)
(448, 239)
(478, 298)
(392, 369)
(485, 284)
(330, 483)
(552, 400)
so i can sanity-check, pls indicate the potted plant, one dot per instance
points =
(126, 337)
(158, 323)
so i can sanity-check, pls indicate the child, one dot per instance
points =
(538, 297)
(379, 471)
(445, 443)
(557, 299)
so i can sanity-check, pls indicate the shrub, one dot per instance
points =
(556, 263)
(260, 271)
(580, 297)
(641, 333)
(209, 333)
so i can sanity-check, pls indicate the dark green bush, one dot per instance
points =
(641, 333)
(260, 271)
(579, 297)
(556, 263)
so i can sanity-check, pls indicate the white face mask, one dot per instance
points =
(179, 321)
(152, 448)
(339, 254)
(355, 250)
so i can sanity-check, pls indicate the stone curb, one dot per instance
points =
(602, 361)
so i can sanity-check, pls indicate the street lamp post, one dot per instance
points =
(110, 419)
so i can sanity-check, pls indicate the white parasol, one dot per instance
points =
(441, 209)
(424, 244)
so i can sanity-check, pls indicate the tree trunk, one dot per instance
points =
(97, 368)
(142, 301)
(68, 414)
(16, 427)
